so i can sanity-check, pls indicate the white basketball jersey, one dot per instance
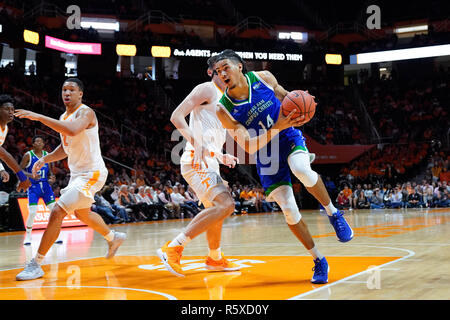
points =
(206, 127)
(3, 134)
(83, 150)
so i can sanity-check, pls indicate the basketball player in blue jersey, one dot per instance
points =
(40, 184)
(251, 104)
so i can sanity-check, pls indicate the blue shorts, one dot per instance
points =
(273, 167)
(40, 190)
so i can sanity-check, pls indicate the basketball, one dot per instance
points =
(302, 102)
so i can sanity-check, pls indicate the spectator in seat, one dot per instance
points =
(397, 198)
(104, 209)
(342, 202)
(376, 202)
(414, 200)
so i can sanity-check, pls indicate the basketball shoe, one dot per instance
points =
(114, 244)
(343, 230)
(321, 270)
(171, 257)
(32, 271)
(220, 265)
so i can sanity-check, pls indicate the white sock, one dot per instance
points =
(330, 209)
(39, 258)
(29, 229)
(110, 236)
(215, 254)
(315, 253)
(180, 240)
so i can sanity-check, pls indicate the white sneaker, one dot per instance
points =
(32, 271)
(115, 243)
(27, 240)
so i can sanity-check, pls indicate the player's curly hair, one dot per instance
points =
(5, 98)
(226, 54)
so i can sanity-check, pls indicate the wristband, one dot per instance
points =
(22, 177)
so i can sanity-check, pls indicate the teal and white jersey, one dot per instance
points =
(259, 112)
(43, 173)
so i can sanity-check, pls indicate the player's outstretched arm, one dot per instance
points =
(241, 135)
(56, 155)
(66, 128)
(24, 183)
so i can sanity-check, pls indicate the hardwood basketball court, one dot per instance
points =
(395, 254)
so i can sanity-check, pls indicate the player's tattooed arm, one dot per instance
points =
(241, 135)
(270, 79)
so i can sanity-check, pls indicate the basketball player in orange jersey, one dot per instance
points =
(6, 116)
(78, 128)
(205, 137)
(250, 104)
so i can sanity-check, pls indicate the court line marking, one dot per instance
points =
(410, 254)
(168, 296)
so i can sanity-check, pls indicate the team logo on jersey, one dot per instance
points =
(256, 85)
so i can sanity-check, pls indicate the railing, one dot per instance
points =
(44, 9)
(252, 22)
(122, 126)
(352, 27)
(153, 16)
(365, 117)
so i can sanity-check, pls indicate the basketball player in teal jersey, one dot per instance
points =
(251, 104)
(40, 184)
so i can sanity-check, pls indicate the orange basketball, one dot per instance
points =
(302, 102)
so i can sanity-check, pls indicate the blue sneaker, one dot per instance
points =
(321, 270)
(342, 228)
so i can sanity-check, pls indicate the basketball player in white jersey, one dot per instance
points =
(6, 116)
(200, 168)
(78, 128)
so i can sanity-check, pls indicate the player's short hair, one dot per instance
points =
(226, 54)
(37, 137)
(77, 81)
(6, 98)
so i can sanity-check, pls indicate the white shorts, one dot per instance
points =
(206, 183)
(79, 193)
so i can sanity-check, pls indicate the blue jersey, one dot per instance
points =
(259, 112)
(39, 188)
(43, 173)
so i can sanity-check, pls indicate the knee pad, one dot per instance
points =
(284, 196)
(50, 206)
(32, 210)
(299, 162)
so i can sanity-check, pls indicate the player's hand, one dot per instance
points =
(4, 175)
(21, 113)
(200, 154)
(229, 160)
(288, 121)
(23, 186)
(37, 166)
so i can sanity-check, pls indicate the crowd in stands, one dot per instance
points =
(406, 195)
